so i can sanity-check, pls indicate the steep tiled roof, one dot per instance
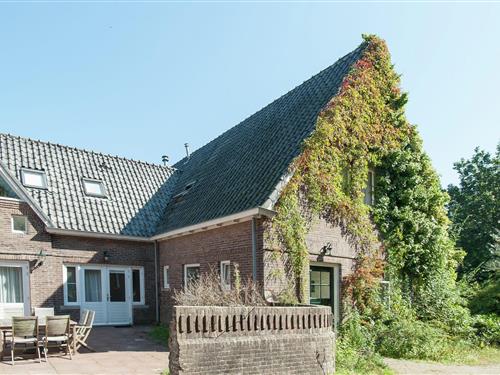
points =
(242, 167)
(235, 172)
(137, 192)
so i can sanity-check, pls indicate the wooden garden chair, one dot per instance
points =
(25, 334)
(57, 334)
(83, 329)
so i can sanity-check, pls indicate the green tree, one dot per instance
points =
(474, 209)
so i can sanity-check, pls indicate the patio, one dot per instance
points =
(122, 350)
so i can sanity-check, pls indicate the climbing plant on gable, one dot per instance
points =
(363, 127)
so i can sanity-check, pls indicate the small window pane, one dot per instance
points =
(93, 288)
(166, 284)
(117, 287)
(192, 274)
(325, 291)
(11, 285)
(136, 285)
(315, 291)
(315, 277)
(95, 188)
(19, 223)
(325, 278)
(71, 283)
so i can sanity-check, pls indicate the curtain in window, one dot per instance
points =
(93, 286)
(11, 284)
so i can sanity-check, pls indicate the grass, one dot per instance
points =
(160, 334)
(474, 356)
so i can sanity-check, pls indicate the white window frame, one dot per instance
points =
(65, 284)
(222, 281)
(25, 224)
(94, 195)
(141, 281)
(166, 283)
(34, 171)
(25, 267)
(186, 266)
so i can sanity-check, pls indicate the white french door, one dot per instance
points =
(108, 291)
(14, 289)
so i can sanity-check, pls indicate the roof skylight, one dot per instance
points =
(94, 188)
(34, 178)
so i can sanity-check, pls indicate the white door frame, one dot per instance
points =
(105, 302)
(25, 271)
(127, 271)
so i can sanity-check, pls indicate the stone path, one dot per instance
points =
(126, 350)
(405, 367)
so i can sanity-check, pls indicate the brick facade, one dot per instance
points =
(234, 243)
(46, 281)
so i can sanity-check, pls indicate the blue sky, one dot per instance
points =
(140, 79)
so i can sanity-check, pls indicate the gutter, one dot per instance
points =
(216, 223)
(81, 233)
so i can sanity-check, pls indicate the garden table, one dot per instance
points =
(6, 325)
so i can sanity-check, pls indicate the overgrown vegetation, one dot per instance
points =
(208, 291)
(403, 238)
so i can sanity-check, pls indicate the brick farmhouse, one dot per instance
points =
(80, 229)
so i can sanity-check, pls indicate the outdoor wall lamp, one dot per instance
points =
(40, 258)
(106, 256)
(327, 249)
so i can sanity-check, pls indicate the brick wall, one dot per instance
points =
(320, 235)
(251, 340)
(208, 248)
(46, 281)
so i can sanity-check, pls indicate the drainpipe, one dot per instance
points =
(254, 251)
(157, 305)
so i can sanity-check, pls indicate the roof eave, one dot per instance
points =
(22, 193)
(80, 233)
(216, 223)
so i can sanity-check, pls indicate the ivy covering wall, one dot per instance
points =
(364, 127)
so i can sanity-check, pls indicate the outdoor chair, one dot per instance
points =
(57, 334)
(83, 329)
(24, 334)
(42, 313)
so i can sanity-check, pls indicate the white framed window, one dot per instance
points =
(370, 189)
(191, 273)
(138, 297)
(19, 224)
(70, 281)
(14, 290)
(225, 274)
(94, 188)
(166, 283)
(34, 178)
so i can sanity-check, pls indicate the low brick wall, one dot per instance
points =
(251, 340)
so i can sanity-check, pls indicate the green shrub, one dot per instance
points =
(412, 339)
(355, 348)
(487, 329)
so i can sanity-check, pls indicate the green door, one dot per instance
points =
(321, 286)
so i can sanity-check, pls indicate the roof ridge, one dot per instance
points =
(170, 168)
(321, 72)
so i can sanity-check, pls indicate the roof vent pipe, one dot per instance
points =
(164, 159)
(186, 145)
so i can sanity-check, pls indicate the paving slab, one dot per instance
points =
(123, 350)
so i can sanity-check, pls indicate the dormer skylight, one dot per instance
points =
(94, 188)
(34, 178)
